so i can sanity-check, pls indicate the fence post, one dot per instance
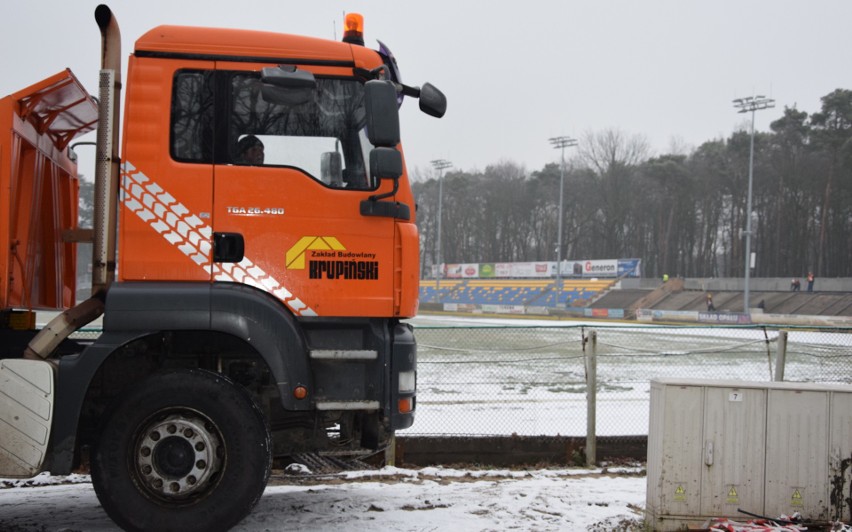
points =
(390, 452)
(591, 399)
(781, 356)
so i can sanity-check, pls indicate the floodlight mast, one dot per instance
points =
(560, 143)
(750, 104)
(440, 165)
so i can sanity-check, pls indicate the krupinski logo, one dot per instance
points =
(296, 254)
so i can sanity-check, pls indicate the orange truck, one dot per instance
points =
(254, 253)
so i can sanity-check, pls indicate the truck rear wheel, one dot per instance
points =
(185, 450)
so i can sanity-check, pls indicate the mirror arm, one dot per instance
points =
(414, 92)
(388, 209)
(378, 197)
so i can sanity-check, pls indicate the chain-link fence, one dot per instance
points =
(533, 380)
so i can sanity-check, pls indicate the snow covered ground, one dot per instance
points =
(390, 499)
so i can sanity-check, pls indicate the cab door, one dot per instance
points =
(167, 172)
(291, 224)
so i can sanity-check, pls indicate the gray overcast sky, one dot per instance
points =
(515, 73)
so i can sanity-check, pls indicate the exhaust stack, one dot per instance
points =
(107, 160)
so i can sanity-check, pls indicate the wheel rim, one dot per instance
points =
(178, 455)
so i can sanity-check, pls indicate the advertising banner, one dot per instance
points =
(469, 271)
(487, 270)
(459, 307)
(609, 268)
(453, 271)
(597, 268)
(673, 315)
(522, 269)
(545, 269)
(604, 312)
(629, 267)
(531, 269)
(504, 309)
(730, 318)
(571, 268)
(503, 269)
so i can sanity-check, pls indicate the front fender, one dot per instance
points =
(136, 310)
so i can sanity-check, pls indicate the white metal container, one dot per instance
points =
(769, 448)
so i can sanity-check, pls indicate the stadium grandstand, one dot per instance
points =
(677, 300)
(525, 292)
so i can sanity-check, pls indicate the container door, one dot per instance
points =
(797, 454)
(674, 443)
(840, 449)
(733, 454)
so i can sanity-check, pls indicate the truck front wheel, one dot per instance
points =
(185, 450)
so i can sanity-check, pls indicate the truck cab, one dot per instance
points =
(252, 282)
(295, 213)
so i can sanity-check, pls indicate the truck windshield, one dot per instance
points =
(323, 137)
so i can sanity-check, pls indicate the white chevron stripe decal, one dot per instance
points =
(188, 233)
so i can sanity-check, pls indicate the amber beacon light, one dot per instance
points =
(353, 31)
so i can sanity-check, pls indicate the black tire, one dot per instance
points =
(185, 450)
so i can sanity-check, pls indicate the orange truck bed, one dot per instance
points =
(39, 191)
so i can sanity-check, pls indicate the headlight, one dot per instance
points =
(407, 381)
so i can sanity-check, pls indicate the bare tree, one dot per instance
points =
(681, 213)
(613, 156)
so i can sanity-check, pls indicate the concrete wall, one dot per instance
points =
(756, 284)
(514, 451)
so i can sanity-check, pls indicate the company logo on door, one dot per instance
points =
(326, 258)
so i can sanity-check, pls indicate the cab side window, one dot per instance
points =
(192, 116)
(220, 117)
(323, 137)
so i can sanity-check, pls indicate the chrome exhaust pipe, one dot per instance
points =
(107, 159)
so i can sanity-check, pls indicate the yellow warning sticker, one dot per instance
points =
(680, 494)
(796, 499)
(732, 495)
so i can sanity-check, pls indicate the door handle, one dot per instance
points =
(228, 247)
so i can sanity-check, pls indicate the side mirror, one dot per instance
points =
(432, 101)
(285, 85)
(331, 168)
(382, 113)
(385, 163)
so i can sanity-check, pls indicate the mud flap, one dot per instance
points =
(26, 412)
